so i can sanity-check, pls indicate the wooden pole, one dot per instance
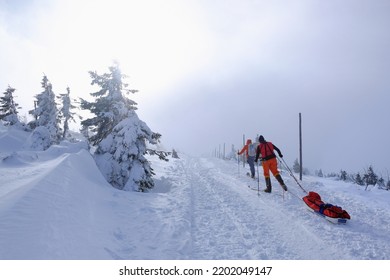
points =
(300, 147)
(243, 155)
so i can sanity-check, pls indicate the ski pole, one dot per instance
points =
(258, 180)
(238, 163)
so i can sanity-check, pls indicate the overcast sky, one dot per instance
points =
(209, 71)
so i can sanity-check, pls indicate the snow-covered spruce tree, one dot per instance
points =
(119, 136)
(369, 177)
(8, 107)
(296, 166)
(343, 175)
(358, 179)
(319, 173)
(381, 183)
(65, 113)
(46, 114)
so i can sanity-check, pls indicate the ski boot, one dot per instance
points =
(268, 185)
(281, 182)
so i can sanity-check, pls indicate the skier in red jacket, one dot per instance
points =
(250, 150)
(268, 157)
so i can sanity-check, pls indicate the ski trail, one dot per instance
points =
(229, 238)
(230, 221)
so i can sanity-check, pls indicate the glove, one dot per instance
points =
(281, 155)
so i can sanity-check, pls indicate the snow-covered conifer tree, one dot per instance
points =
(296, 166)
(66, 111)
(8, 107)
(119, 135)
(320, 174)
(369, 177)
(358, 179)
(46, 113)
(343, 175)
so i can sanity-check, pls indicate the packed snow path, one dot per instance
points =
(230, 221)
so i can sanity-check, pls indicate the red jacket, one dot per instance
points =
(245, 148)
(266, 150)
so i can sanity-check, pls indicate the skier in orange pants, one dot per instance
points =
(268, 157)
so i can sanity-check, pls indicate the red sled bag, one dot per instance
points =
(334, 211)
(313, 201)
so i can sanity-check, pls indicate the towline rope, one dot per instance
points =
(291, 173)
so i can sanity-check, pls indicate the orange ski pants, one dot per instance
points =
(272, 165)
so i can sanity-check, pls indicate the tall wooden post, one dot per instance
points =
(243, 155)
(300, 147)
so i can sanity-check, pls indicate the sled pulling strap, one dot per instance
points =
(292, 175)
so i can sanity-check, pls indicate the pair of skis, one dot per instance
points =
(252, 188)
(249, 186)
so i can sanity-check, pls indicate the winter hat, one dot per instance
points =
(261, 139)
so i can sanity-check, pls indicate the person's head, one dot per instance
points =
(261, 139)
(249, 141)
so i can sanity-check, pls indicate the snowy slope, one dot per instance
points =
(56, 205)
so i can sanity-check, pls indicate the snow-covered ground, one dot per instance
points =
(55, 204)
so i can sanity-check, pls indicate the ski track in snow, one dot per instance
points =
(232, 222)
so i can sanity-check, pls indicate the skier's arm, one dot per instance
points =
(279, 152)
(243, 150)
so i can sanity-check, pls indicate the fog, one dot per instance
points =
(209, 72)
